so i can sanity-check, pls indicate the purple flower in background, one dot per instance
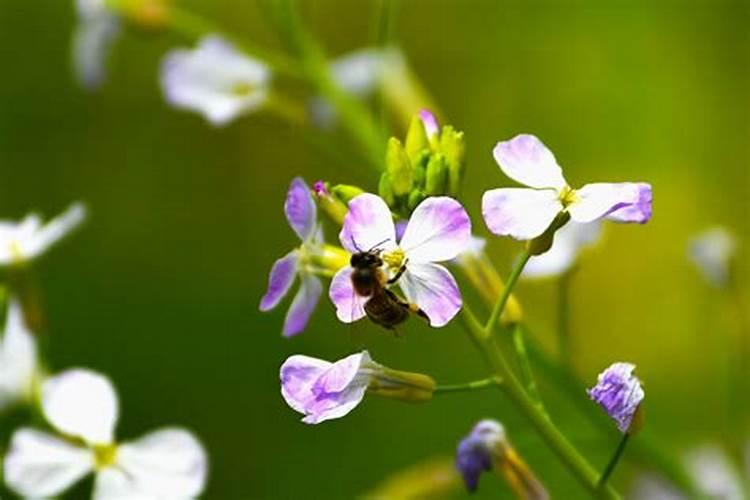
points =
(438, 230)
(525, 213)
(619, 392)
(215, 79)
(322, 390)
(301, 213)
(476, 452)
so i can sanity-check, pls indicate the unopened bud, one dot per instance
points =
(148, 14)
(453, 147)
(415, 198)
(404, 386)
(416, 139)
(332, 206)
(385, 190)
(398, 167)
(436, 175)
(345, 192)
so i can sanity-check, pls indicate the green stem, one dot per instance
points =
(558, 443)
(523, 360)
(469, 386)
(497, 311)
(614, 460)
(353, 114)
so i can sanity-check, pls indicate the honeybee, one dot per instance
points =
(383, 307)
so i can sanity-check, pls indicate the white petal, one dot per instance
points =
(16, 238)
(368, 225)
(439, 229)
(568, 242)
(596, 200)
(350, 306)
(527, 161)
(214, 79)
(358, 72)
(97, 29)
(433, 288)
(18, 357)
(39, 465)
(81, 403)
(712, 252)
(56, 229)
(715, 473)
(520, 213)
(170, 464)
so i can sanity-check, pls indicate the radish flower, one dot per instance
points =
(525, 213)
(216, 80)
(19, 370)
(619, 393)
(438, 230)
(82, 406)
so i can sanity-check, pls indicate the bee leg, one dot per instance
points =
(399, 273)
(416, 310)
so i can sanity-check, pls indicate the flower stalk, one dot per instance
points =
(614, 460)
(502, 301)
(469, 386)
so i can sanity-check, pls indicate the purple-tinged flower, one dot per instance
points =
(569, 241)
(215, 79)
(712, 252)
(323, 391)
(619, 392)
(307, 261)
(19, 364)
(431, 127)
(525, 213)
(438, 230)
(476, 452)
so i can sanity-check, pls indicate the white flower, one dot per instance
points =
(214, 79)
(568, 243)
(18, 358)
(712, 252)
(82, 405)
(97, 28)
(25, 240)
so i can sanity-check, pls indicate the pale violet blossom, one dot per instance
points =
(97, 29)
(29, 238)
(322, 390)
(712, 252)
(476, 452)
(82, 406)
(619, 393)
(569, 241)
(215, 80)
(19, 369)
(525, 213)
(438, 231)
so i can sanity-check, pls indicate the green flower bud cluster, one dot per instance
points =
(427, 163)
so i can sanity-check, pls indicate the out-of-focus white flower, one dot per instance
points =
(712, 252)
(18, 358)
(82, 406)
(97, 29)
(568, 243)
(215, 79)
(28, 239)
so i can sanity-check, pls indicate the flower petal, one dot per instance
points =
(166, 464)
(568, 242)
(303, 304)
(81, 403)
(358, 72)
(341, 374)
(18, 357)
(367, 225)
(639, 210)
(39, 465)
(300, 209)
(429, 122)
(438, 230)
(280, 279)
(331, 406)
(215, 80)
(350, 306)
(597, 200)
(298, 374)
(433, 288)
(97, 29)
(520, 213)
(57, 229)
(527, 161)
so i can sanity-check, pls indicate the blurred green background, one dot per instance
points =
(160, 290)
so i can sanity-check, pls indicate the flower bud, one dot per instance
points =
(147, 14)
(436, 175)
(416, 140)
(345, 193)
(453, 147)
(398, 167)
(404, 386)
(620, 394)
(415, 198)
(385, 190)
(332, 206)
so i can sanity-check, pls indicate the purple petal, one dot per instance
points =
(527, 161)
(298, 374)
(433, 288)
(639, 210)
(438, 230)
(594, 201)
(342, 373)
(280, 279)
(430, 123)
(300, 209)
(401, 229)
(471, 460)
(349, 305)
(619, 392)
(303, 305)
(367, 225)
(520, 213)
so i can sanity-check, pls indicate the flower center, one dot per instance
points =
(395, 258)
(105, 455)
(242, 89)
(567, 196)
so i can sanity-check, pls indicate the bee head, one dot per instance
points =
(366, 259)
